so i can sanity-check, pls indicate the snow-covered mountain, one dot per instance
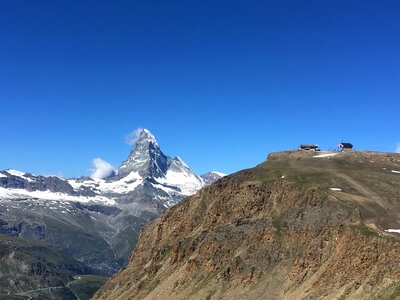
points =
(147, 173)
(211, 177)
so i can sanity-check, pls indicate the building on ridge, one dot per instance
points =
(345, 146)
(309, 147)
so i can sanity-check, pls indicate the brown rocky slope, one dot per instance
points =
(294, 227)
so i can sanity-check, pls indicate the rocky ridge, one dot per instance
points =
(299, 226)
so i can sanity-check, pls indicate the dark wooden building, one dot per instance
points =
(309, 147)
(345, 146)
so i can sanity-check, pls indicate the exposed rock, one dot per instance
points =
(211, 177)
(278, 232)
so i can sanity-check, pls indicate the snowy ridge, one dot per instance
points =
(183, 163)
(15, 173)
(219, 173)
(147, 173)
(187, 182)
(145, 134)
(122, 186)
(19, 174)
(47, 195)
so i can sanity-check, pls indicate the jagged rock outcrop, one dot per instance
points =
(299, 226)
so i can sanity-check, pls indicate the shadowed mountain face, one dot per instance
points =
(145, 158)
(299, 226)
(89, 226)
(211, 177)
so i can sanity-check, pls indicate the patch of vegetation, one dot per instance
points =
(80, 244)
(43, 253)
(46, 267)
(391, 292)
(150, 284)
(364, 230)
(304, 173)
(166, 250)
(205, 281)
(85, 286)
(268, 175)
(395, 294)
(210, 294)
(277, 223)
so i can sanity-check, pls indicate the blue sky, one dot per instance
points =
(219, 83)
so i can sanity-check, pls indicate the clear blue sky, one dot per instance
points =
(219, 83)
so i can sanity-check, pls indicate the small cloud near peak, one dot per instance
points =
(139, 134)
(132, 137)
(101, 169)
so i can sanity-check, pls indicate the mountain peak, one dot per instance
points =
(147, 161)
(145, 158)
(144, 135)
(212, 176)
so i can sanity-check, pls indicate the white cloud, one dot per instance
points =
(397, 148)
(102, 169)
(132, 137)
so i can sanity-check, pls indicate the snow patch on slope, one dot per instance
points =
(219, 173)
(393, 230)
(47, 195)
(121, 186)
(325, 155)
(19, 174)
(15, 173)
(187, 182)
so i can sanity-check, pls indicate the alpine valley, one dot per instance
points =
(62, 238)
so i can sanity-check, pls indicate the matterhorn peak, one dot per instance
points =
(156, 169)
(144, 135)
(145, 158)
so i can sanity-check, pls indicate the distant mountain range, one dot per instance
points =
(147, 172)
(90, 224)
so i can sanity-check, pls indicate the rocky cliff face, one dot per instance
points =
(145, 158)
(299, 226)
